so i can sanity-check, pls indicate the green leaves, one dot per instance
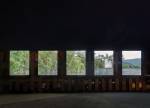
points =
(19, 62)
(47, 63)
(100, 60)
(76, 62)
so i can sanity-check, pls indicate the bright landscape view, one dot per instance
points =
(47, 63)
(19, 62)
(131, 62)
(76, 61)
(103, 62)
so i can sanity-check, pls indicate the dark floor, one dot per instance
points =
(79, 100)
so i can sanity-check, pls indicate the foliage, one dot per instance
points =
(19, 63)
(47, 63)
(76, 62)
(101, 59)
(127, 65)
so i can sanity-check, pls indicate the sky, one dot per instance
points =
(131, 54)
(126, 54)
(103, 52)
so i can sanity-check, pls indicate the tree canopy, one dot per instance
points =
(19, 63)
(76, 62)
(47, 63)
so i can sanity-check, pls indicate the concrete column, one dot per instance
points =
(4, 70)
(117, 63)
(62, 63)
(33, 64)
(89, 62)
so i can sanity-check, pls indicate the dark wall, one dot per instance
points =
(74, 24)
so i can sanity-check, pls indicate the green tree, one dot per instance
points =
(100, 60)
(75, 62)
(19, 62)
(47, 63)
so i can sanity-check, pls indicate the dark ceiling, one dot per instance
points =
(74, 24)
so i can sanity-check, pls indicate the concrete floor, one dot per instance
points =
(77, 100)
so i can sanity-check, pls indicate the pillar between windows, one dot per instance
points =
(90, 62)
(61, 63)
(117, 63)
(33, 64)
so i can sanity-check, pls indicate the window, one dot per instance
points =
(76, 61)
(19, 62)
(47, 63)
(131, 62)
(103, 62)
